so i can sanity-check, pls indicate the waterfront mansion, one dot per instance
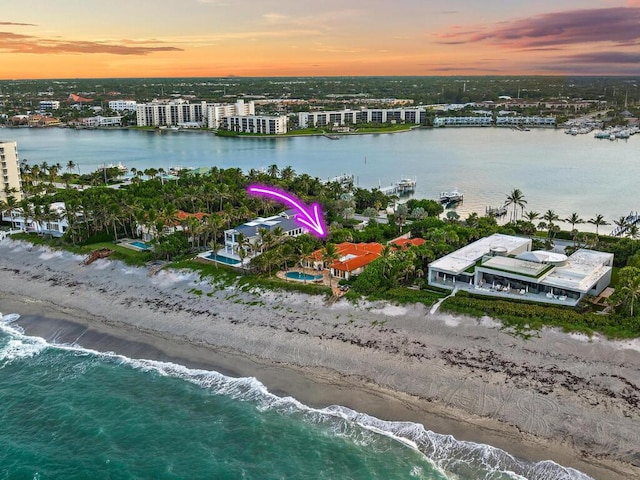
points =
(505, 266)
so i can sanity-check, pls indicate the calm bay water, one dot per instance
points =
(554, 170)
(72, 413)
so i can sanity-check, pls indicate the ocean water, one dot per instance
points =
(555, 171)
(67, 412)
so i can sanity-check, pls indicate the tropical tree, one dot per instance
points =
(550, 217)
(515, 199)
(598, 221)
(628, 290)
(573, 219)
(329, 255)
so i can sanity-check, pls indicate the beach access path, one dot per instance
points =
(556, 396)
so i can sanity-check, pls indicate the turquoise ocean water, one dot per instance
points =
(71, 413)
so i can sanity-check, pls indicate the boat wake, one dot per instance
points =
(451, 457)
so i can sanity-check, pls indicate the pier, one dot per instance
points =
(404, 186)
(632, 219)
(495, 211)
(344, 179)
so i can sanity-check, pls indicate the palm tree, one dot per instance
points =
(329, 255)
(515, 198)
(70, 166)
(598, 221)
(573, 219)
(530, 216)
(628, 290)
(550, 217)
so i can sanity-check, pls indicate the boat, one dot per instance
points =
(496, 211)
(452, 197)
(122, 168)
(406, 185)
(177, 169)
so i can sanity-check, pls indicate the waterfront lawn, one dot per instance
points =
(524, 317)
(225, 275)
(126, 255)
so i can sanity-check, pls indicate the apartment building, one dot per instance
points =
(123, 105)
(10, 171)
(256, 124)
(49, 104)
(414, 115)
(182, 112)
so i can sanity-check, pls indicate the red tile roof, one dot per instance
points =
(362, 254)
(407, 242)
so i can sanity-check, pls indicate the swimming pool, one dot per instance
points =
(223, 259)
(301, 277)
(140, 245)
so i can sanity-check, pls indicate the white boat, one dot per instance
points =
(119, 166)
(453, 196)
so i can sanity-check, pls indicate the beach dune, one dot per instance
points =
(556, 396)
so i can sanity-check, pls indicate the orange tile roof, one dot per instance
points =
(363, 254)
(407, 242)
(184, 215)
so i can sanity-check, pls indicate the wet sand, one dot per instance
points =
(558, 397)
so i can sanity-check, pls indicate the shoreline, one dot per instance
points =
(318, 354)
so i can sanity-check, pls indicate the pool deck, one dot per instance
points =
(310, 271)
(126, 243)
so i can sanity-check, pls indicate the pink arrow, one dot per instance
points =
(309, 215)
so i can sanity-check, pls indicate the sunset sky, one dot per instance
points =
(192, 38)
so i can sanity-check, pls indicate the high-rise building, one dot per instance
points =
(10, 171)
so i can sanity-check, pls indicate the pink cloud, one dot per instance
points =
(616, 25)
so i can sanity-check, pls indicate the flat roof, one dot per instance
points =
(583, 270)
(516, 265)
(458, 261)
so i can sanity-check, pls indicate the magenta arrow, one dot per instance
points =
(309, 215)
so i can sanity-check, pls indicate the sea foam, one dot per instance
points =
(451, 457)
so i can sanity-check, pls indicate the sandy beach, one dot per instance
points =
(562, 397)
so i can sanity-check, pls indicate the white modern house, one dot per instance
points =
(55, 224)
(504, 265)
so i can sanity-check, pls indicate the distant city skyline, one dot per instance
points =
(213, 38)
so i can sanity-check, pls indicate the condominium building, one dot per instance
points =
(182, 112)
(218, 111)
(414, 115)
(256, 124)
(530, 121)
(469, 121)
(123, 105)
(10, 171)
(100, 121)
(49, 105)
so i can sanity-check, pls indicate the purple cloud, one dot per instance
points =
(16, 24)
(16, 43)
(618, 25)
